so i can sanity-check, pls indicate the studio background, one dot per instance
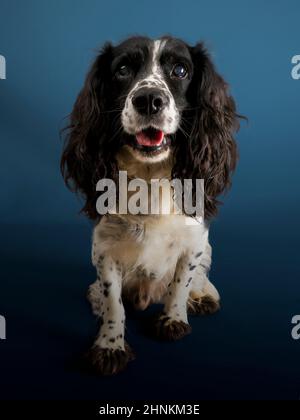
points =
(246, 351)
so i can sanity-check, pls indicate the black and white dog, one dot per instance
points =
(158, 110)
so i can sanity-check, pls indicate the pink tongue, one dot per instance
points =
(144, 140)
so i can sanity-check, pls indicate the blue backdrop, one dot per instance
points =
(246, 351)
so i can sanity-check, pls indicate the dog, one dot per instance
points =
(157, 109)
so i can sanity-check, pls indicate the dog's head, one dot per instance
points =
(153, 78)
(156, 98)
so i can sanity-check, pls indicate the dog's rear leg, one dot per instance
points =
(109, 354)
(204, 298)
(94, 297)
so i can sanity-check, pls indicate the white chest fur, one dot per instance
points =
(151, 243)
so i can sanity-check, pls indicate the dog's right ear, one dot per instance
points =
(84, 161)
(211, 152)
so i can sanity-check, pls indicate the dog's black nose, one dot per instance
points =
(149, 101)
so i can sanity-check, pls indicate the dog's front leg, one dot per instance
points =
(173, 323)
(110, 354)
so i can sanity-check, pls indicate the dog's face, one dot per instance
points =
(154, 98)
(151, 79)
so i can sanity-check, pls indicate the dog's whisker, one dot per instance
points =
(183, 131)
(119, 110)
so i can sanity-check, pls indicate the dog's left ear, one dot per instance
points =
(86, 155)
(212, 151)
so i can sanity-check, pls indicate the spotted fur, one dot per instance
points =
(150, 259)
(152, 78)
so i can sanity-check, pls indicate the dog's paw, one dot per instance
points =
(109, 361)
(205, 305)
(169, 329)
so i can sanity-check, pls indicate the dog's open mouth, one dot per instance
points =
(150, 141)
(150, 137)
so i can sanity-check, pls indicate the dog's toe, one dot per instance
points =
(109, 361)
(205, 305)
(171, 330)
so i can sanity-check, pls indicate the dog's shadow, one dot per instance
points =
(142, 322)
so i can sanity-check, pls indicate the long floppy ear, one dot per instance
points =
(86, 156)
(210, 152)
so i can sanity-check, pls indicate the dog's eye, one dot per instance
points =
(179, 71)
(123, 71)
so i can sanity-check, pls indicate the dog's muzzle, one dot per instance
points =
(149, 119)
(150, 103)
